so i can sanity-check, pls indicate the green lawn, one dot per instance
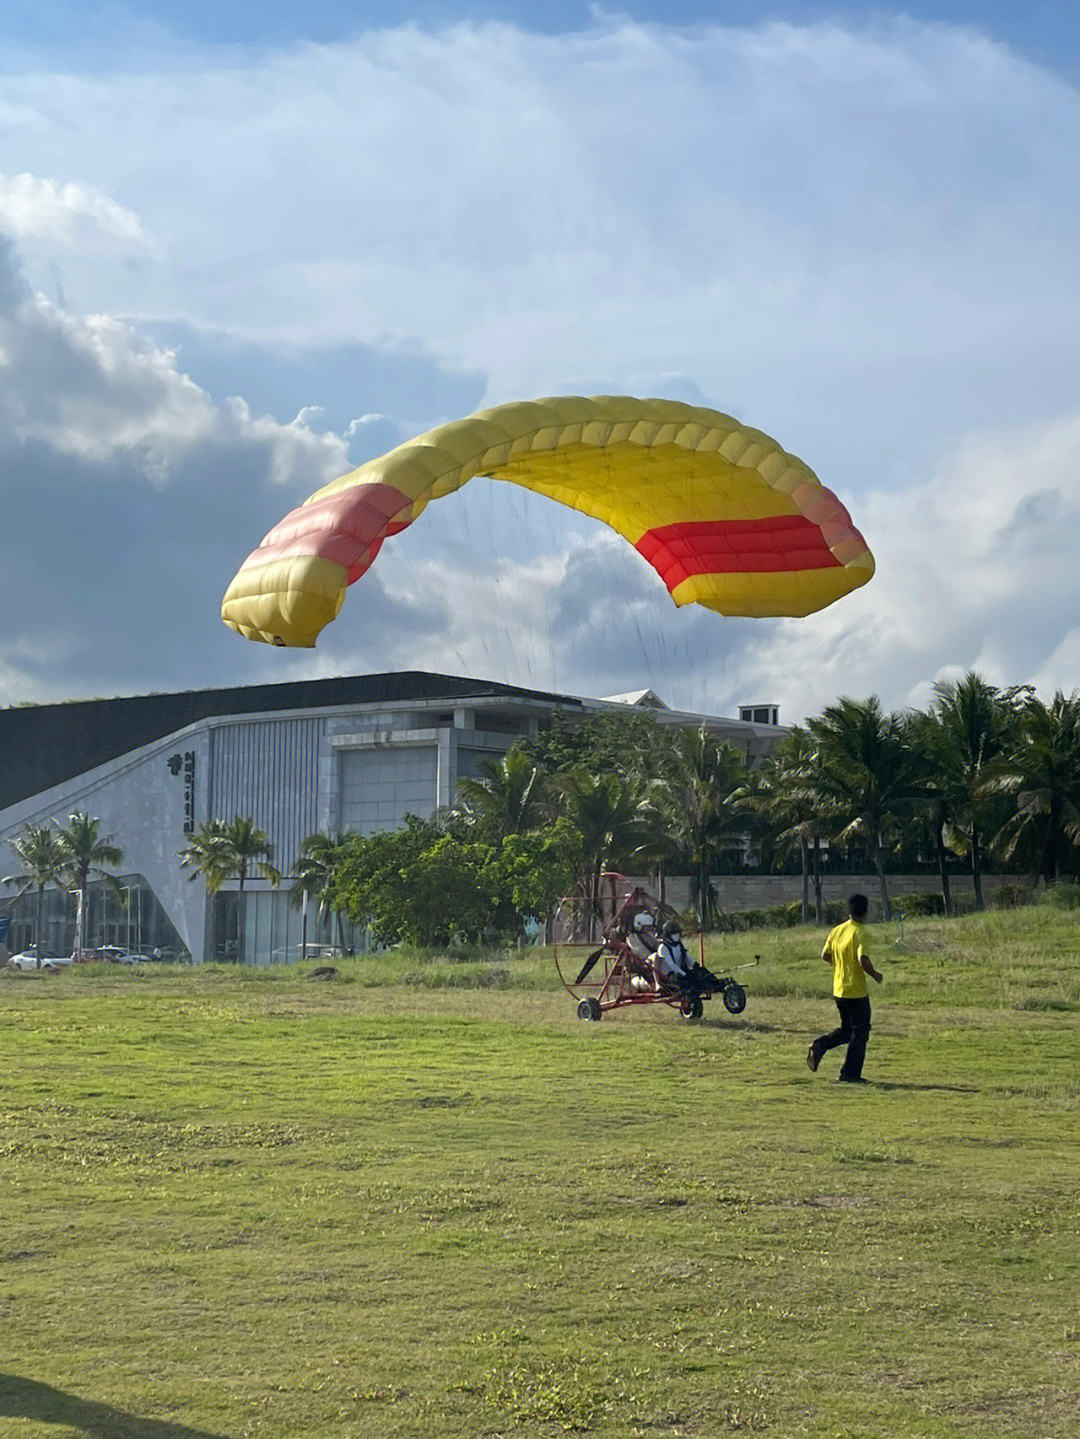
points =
(424, 1199)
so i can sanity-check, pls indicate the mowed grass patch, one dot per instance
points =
(243, 1203)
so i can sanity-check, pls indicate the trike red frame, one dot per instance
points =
(599, 969)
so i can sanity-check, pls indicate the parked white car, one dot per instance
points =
(28, 959)
(113, 954)
(292, 953)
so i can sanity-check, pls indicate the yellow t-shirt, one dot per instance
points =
(846, 946)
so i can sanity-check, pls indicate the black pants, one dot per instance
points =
(854, 1031)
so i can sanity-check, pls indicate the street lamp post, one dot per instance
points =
(131, 922)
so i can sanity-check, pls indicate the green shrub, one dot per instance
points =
(787, 915)
(919, 906)
(779, 916)
(1012, 896)
(1063, 895)
(742, 920)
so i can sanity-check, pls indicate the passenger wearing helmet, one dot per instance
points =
(671, 961)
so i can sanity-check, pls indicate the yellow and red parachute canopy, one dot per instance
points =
(727, 518)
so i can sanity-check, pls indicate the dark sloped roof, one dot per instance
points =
(43, 745)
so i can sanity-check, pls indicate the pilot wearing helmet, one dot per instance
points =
(641, 938)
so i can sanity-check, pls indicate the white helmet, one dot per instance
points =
(643, 920)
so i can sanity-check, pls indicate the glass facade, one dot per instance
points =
(274, 929)
(128, 916)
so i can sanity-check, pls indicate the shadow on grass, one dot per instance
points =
(940, 1088)
(29, 1399)
(753, 1026)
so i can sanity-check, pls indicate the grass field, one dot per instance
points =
(424, 1199)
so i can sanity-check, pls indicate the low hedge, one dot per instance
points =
(923, 905)
(1063, 895)
(779, 916)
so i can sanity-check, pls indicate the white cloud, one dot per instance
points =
(129, 498)
(362, 422)
(1061, 669)
(777, 213)
(568, 620)
(67, 213)
(91, 389)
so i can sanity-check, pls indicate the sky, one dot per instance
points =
(243, 249)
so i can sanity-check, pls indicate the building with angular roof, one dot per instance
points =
(355, 752)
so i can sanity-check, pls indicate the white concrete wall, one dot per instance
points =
(140, 804)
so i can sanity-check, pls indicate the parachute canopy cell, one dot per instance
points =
(726, 517)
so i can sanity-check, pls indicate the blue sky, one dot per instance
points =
(1048, 31)
(246, 249)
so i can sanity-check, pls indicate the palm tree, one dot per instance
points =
(220, 850)
(42, 858)
(87, 856)
(1044, 774)
(313, 875)
(204, 854)
(693, 800)
(933, 801)
(963, 740)
(782, 790)
(506, 795)
(658, 850)
(606, 812)
(863, 776)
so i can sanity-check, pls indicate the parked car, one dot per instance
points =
(27, 959)
(114, 954)
(292, 953)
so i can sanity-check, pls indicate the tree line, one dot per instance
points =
(982, 774)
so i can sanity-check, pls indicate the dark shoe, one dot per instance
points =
(850, 1079)
(813, 1059)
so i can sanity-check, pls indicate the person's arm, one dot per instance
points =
(868, 968)
(826, 953)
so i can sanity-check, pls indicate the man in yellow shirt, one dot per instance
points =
(845, 951)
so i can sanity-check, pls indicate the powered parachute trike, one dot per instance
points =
(602, 954)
